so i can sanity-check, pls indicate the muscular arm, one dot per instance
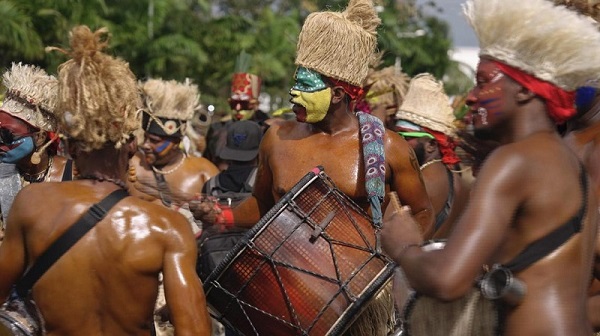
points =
(496, 196)
(407, 180)
(249, 212)
(183, 290)
(12, 249)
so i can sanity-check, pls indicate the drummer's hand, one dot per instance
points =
(400, 229)
(205, 209)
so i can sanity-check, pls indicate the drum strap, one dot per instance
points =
(371, 135)
(60, 246)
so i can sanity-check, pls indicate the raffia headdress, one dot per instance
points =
(386, 87)
(168, 105)
(98, 99)
(550, 42)
(340, 45)
(427, 105)
(31, 96)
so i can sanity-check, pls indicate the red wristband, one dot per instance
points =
(226, 217)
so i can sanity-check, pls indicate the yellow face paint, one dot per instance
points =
(315, 104)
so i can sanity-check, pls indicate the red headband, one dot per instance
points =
(446, 146)
(560, 103)
(354, 92)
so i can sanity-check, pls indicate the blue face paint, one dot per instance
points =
(23, 147)
(162, 147)
(584, 96)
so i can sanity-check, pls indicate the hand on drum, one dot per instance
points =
(400, 230)
(205, 209)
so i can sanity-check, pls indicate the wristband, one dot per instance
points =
(225, 217)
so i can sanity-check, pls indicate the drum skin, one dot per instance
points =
(288, 278)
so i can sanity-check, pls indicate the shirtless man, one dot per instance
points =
(162, 172)
(530, 185)
(326, 130)
(28, 137)
(106, 284)
(426, 121)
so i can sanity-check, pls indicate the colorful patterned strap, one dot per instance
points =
(371, 134)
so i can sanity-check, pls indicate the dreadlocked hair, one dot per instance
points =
(98, 99)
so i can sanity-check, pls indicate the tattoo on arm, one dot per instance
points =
(415, 164)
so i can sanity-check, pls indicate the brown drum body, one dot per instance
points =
(309, 267)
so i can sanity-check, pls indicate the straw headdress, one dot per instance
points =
(427, 105)
(340, 45)
(98, 99)
(168, 105)
(387, 86)
(31, 95)
(549, 42)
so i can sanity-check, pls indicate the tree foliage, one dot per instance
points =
(200, 39)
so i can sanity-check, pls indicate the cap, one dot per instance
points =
(243, 140)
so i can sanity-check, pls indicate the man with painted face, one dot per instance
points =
(107, 282)
(162, 172)
(326, 131)
(28, 137)
(426, 121)
(531, 216)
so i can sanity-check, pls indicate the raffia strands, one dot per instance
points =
(170, 99)
(340, 45)
(378, 317)
(426, 104)
(387, 86)
(589, 8)
(31, 95)
(98, 99)
(550, 42)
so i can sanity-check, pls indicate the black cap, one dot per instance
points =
(243, 139)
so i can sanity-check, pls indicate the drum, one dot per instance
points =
(310, 266)
(471, 315)
(19, 317)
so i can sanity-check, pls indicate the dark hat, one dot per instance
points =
(243, 139)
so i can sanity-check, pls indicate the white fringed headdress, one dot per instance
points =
(169, 104)
(549, 42)
(31, 95)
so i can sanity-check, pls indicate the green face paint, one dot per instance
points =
(308, 81)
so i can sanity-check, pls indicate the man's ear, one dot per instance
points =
(431, 146)
(132, 147)
(337, 94)
(39, 138)
(524, 95)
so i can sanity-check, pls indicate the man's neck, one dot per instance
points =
(337, 121)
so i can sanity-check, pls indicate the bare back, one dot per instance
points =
(107, 283)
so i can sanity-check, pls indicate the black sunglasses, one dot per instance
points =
(7, 137)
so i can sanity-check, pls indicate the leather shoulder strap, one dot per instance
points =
(86, 222)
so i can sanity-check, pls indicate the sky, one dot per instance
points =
(460, 31)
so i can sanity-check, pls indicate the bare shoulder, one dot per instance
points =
(394, 142)
(202, 163)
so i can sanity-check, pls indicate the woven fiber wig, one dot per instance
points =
(98, 99)
(550, 42)
(340, 45)
(31, 96)
(427, 105)
(168, 105)
(387, 86)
